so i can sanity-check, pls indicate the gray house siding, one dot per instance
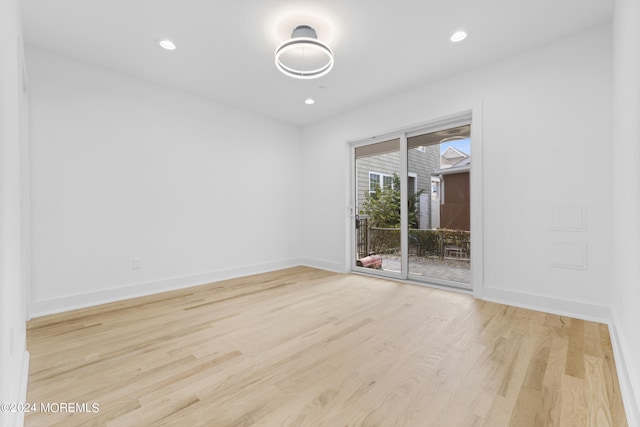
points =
(420, 163)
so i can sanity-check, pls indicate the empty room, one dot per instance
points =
(320, 213)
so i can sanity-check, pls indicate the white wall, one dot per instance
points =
(626, 199)
(125, 169)
(546, 142)
(13, 214)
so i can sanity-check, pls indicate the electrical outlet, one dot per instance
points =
(135, 263)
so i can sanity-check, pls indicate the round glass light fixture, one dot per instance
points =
(309, 101)
(458, 36)
(167, 44)
(304, 56)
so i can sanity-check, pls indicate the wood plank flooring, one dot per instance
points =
(304, 347)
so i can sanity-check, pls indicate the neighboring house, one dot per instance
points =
(378, 169)
(451, 157)
(455, 195)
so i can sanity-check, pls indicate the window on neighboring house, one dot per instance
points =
(375, 178)
(374, 182)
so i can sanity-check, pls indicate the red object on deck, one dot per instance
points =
(371, 261)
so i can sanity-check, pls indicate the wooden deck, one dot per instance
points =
(304, 347)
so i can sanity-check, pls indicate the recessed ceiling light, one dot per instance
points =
(167, 44)
(458, 36)
(309, 101)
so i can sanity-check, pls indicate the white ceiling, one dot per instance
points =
(226, 48)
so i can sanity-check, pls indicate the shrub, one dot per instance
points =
(382, 208)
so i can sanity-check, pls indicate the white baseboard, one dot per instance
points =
(626, 372)
(16, 419)
(24, 380)
(561, 307)
(324, 265)
(72, 302)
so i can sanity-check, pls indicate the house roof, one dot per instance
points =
(452, 153)
(463, 165)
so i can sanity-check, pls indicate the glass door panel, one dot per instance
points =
(377, 207)
(439, 207)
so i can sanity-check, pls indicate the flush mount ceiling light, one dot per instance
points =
(167, 44)
(458, 36)
(309, 101)
(304, 56)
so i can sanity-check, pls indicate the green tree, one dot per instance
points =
(382, 207)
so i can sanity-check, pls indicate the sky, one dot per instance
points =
(463, 145)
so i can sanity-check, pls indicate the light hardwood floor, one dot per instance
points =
(304, 347)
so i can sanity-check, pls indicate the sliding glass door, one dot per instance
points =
(412, 206)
